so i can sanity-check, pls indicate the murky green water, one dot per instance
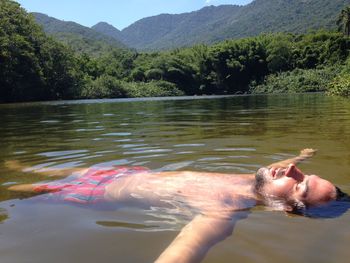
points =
(229, 134)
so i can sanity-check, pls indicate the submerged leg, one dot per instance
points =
(30, 188)
(17, 166)
(39, 188)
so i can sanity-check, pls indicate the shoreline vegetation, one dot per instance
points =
(36, 67)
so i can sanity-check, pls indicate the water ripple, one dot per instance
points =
(190, 145)
(61, 153)
(148, 151)
(235, 149)
(117, 134)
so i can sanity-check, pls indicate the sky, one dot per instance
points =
(119, 13)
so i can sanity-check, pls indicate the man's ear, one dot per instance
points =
(296, 206)
(288, 208)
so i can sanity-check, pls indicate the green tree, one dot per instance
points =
(343, 21)
(32, 65)
(104, 86)
(20, 71)
(117, 63)
(279, 52)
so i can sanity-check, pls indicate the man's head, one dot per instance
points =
(291, 190)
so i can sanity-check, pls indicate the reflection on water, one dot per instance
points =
(124, 225)
(228, 134)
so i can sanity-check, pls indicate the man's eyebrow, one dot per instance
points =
(306, 190)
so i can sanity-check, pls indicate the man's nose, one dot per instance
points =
(294, 172)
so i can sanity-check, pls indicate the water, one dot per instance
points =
(219, 134)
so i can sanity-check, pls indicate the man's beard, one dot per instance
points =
(260, 181)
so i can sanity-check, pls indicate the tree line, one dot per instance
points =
(34, 66)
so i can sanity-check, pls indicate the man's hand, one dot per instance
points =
(308, 152)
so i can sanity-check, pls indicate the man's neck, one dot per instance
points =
(243, 184)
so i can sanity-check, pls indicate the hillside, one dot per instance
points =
(80, 38)
(208, 25)
(167, 31)
(212, 24)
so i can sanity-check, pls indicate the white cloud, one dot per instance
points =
(208, 1)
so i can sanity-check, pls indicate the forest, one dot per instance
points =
(35, 66)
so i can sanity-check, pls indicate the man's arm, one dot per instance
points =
(196, 238)
(303, 155)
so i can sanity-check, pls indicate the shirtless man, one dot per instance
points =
(220, 199)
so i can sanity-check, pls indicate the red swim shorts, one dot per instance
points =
(87, 189)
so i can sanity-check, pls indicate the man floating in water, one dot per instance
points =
(220, 200)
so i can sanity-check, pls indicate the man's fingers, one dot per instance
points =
(308, 152)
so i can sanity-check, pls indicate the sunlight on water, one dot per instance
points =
(217, 134)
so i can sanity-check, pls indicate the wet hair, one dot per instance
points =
(331, 209)
(341, 196)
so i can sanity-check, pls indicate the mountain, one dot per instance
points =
(80, 38)
(168, 31)
(108, 30)
(212, 24)
(208, 25)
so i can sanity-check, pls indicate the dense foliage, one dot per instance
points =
(340, 85)
(106, 86)
(297, 81)
(33, 66)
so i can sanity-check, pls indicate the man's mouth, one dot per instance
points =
(273, 172)
(277, 173)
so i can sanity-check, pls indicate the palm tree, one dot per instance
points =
(343, 21)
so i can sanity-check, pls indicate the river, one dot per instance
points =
(232, 134)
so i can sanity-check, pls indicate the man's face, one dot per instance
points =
(290, 184)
